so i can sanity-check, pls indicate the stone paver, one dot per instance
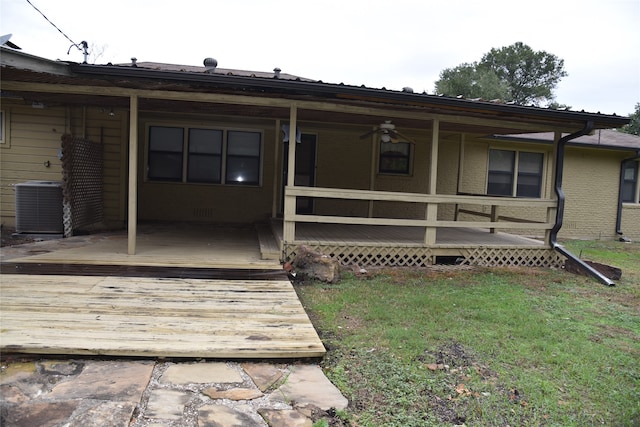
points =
(124, 393)
(307, 385)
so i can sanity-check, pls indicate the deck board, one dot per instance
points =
(131, 316)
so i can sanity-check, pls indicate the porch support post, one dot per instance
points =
(432, 208)
(276, 171)
(460, 173)
(289, 231)
(372, 176)
(132, 220)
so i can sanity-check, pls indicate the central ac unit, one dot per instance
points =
(39, 207)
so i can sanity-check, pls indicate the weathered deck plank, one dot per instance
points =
(154, 317)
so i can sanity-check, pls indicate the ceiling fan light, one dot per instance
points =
(385, 137)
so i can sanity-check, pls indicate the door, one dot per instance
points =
(305, 175)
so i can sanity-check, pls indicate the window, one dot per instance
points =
(4, 129)
(243, 157)
(199, 155)
(205, 156)
(165, 153)
(515, 173)
(630, 183)
(395, 158)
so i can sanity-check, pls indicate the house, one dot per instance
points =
(375, 176)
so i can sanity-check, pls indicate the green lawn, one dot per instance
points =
(485, 347)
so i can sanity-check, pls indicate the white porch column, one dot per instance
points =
(276, 171)
(132, 219)
(289, 231)
(432, 208)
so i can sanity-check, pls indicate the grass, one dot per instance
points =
(485, 347)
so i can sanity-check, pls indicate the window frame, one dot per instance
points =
(515, 174)
(187, 153)
(635, 183)
(409, 158)
(5, 128)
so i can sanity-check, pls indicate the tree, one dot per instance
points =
(519, 74)
(634, 127)
(472, 82)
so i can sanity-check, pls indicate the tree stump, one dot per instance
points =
(311, 265)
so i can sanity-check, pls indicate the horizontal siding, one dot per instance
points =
(36, 139)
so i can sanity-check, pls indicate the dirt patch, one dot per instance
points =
(10, 239)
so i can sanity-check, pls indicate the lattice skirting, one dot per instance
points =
(370, 256)
(508, 257)
(394, 256)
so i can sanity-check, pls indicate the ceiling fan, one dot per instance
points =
(388, 133)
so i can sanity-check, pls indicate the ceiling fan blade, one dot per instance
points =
(398, 137)
(371, 132)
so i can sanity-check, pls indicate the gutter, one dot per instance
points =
(623, 165)
(553, 235)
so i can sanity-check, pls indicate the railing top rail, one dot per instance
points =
(343, 193)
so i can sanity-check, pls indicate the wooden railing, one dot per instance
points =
(430, 222)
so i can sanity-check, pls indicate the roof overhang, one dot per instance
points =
(55, 82)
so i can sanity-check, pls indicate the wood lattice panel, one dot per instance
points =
(370, 256)
(398, 256)
(511, 257)
(82, 170)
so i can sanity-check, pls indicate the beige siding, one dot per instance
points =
(631, 220)
(591, 181)
(36, 139)
(343, 161)
(163, 201)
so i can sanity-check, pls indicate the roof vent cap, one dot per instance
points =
(210, 64)
(134, 62)
(407, 89)
(276, 72)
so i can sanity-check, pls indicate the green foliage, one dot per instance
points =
(516, 346)
(513, 73)
(472, 82)
(634, 127)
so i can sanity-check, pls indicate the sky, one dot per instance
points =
(390, 44)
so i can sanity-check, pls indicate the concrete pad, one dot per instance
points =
(201, 373)
(224, 416)
(120, 381)
(285, 418)
(167, 404)
(307, 385)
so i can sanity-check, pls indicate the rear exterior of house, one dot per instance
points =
(185, 144)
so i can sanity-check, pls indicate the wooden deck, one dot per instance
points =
(152, 317)
(178, 245)
(212, 295)
(402, 236)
